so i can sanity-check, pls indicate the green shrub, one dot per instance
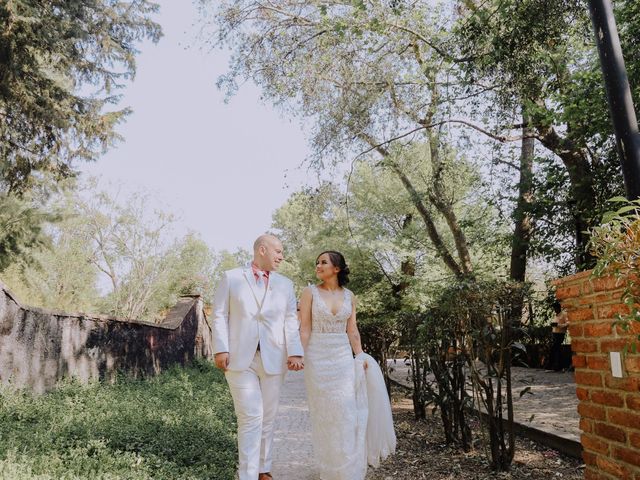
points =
(616, 245)
(179, 425)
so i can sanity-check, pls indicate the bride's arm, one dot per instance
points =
(305, 317)
(352, 330)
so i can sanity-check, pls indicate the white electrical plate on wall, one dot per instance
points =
(616, 364)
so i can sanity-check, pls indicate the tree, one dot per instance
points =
(57, 274)
(375, 72)
(61, 63)
(541, 54)
(395, 270)
(364, 226)
(359, 72)
(21, 228)
(129, 248)
(191, 268)
(112, 255)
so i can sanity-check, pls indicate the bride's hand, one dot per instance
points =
(364, 362)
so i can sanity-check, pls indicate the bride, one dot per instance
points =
(351, 421)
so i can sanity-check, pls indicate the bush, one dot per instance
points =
(179, 425)
(616, 245)
(378, 335)
(467, 338)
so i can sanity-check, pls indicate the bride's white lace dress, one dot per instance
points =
(338, 425)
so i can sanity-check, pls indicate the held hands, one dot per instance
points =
(295, 363)
(222, 360)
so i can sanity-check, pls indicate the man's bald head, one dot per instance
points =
(264, 239)
(267, 252)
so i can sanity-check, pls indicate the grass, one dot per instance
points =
(179, 425)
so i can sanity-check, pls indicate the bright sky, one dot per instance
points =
(222, 168)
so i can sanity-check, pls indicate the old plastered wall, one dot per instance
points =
(38, 347)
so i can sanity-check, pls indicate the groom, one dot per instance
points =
(255, 330)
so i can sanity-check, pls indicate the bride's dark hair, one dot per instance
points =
(337, 260)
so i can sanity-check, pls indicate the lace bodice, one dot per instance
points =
(322, 320)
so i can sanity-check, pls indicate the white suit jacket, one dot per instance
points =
(244, 313)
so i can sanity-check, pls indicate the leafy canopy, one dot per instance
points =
(61, 63)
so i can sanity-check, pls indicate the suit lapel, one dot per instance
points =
(272, 284)
(258, 295)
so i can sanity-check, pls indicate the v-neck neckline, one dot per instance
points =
(344, 301)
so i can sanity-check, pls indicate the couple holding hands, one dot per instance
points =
(258, 335)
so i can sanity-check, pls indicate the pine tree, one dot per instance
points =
(61, 65)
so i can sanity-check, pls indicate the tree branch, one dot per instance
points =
(432, 230)
(432, 45)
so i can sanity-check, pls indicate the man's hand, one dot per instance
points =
(295, 363)
(222, 360)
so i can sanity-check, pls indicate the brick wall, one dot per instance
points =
(609, 407)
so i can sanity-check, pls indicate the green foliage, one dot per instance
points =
(616, 245)
(485, 326)
(467, 337)
(525, 44)
(189, 267)
(112, 255)
(21, 228)
(60, 63)
(374, 224)
(554, 209)
(352, 69)
(179, 425)
(366, 230)
(395, 273)
(366, 76)
(57, 276)
(435, 341)
(131, 247)
(541, 54)
(616, 241)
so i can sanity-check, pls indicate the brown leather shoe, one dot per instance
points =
(264, 476)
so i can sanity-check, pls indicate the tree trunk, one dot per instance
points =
(434, 235)
(582, 206)
(458, 270)
(407, 266)
(419, 407)
(438, 199)
(522, 216)
(523, 222)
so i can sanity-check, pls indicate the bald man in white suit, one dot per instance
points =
(256, 338)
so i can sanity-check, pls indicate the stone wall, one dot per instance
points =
(609, 406)
(38, 347)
